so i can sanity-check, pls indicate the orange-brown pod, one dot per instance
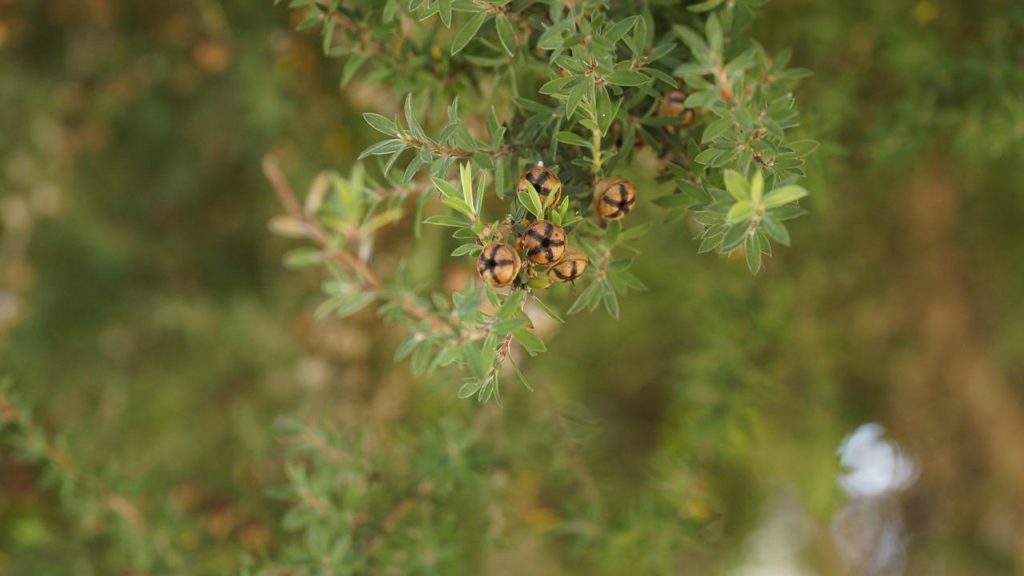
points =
(545, 182)
(498, 264)
(614, 198)
(544, 242)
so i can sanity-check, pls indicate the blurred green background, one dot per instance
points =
(147, 321)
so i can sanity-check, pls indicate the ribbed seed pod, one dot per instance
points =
(498, 264)
(614, 198)
(569, 268)
(546, 182)
(544, 242)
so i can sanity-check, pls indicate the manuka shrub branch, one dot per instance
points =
(580, 112)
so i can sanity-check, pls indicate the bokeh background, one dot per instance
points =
(148, 325)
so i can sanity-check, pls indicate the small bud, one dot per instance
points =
(538, 282)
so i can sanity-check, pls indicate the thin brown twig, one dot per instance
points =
(353, 263)
(437, 148)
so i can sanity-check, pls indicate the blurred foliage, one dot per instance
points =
(166, 372)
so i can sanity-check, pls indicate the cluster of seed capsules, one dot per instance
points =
(545, 243)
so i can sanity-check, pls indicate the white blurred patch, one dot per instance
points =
(876, 467)
(868, 532)
(775, 548)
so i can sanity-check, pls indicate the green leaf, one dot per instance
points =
(531, 201)
(478, 201)
(717, 128)
(706, 6)
(630, 281)
(300, 258)
(739, 212)
(445, 9)
(382, 219)
(708, 156)
(444, 187)
(690, 69)
(468, 389)
(529, 341)
(506, 34)
(479, 360)
(642, 35)
(354, 304)
(468, 31)
(606, 112)
(662, 77)
(503, 328)
(693, 41)
(575, 97)
(547, 310)
(466, 173)
(510, 306)
(635, 232)
(382, 148)
(674, 201)
(616, 31)
(519, 373)
(627, 78)
(783, 213)
(775, 230)
(802, 148)
(710, 240)
(725, 158)
(737, 185)
(587, 299)
(407, 347)
(559, 85)
(611, 302)
(352, 65)
(766, 246)
(611, 234)
(421, 359)
(391, 161)
(784, 195)
(467, 249)
(733, 237)
(753, 253)
(446, 220)
(713, 29)
(757, 186)
(500, 177)
(551, 39)
(572, 138)
(410, 118)
(459, 205)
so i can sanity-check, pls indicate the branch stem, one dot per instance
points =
(347, 259)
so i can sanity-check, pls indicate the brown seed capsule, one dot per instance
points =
(544, 242)
(570, 268)
(614, 198)
(499, 264)
(674, 104)
(546, 182)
